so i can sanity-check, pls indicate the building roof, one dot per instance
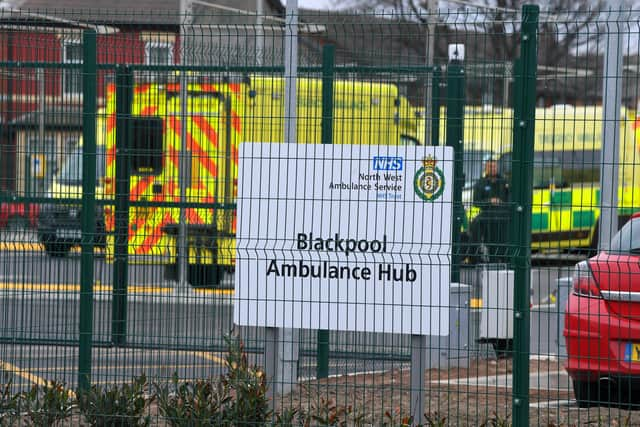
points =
(60, 117)
(138, 13)
(365, 39)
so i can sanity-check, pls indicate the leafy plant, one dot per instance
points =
(198, 403)
(435, 419)
(248, 386)
(239, 397)
(327, 413)
(9, 404)
(49, 403)
(116, 405)
(286, 418)
(496, 421)
(392, 419)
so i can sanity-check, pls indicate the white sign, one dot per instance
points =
(456, 52)
(344, 237)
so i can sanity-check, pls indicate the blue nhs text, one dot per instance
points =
(381, 163)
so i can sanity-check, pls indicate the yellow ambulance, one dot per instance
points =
(219, 116)
(566, 169)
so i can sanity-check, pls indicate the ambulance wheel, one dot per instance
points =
(204, 276)
(503, 348)
(56, 249)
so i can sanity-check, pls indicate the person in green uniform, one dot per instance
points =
(489, 229)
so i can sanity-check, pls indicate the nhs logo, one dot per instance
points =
(387, 163)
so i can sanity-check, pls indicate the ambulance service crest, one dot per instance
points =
(429, 180)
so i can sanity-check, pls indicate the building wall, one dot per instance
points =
(21, 90)
(36, 162)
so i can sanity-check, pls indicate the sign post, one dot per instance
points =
(344, 237)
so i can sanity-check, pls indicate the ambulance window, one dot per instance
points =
(581, 166)
(146, 147)
(563, 168)
(547, 171)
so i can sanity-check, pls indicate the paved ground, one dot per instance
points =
(172, 329)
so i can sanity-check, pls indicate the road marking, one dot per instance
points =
(19, 246)
(505, 381)
(132, 289)
(97, 250)
(71, 287)
(349, 374)
(6, 366)
(549, 357)
(475, 303)
(214, 291)
(553, 404)
(210, 356)
(38, 247)
(34, 379)
(52, 287)
(137, 367)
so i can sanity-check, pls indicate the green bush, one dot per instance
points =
(9, 404)
(48, 404)
(248, 386)
(326, 413)
(496, 421)
(197, 403)
(115, 405)
(435, 419)
(287, 417)
(237, 397)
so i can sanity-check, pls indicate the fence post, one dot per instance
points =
(521, 185)
(328, 62)
(434, 121)
(88, 218)
(124, 98)
(455, 123)
(610, 150)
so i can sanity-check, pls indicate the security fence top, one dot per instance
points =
(223, 68)
(183, 122)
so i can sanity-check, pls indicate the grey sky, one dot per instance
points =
(313, 4)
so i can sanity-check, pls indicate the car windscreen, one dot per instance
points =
(71, 171)
(627, 240)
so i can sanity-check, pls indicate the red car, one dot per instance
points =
(602, 322)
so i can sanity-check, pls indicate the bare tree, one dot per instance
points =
(572, 22)
(568, 30)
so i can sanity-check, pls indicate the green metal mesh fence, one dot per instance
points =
(150, 207)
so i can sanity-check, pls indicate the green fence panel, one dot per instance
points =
(124, 98)
(89, 74)
(523, 139)
(455, 133)
(123, 135)
(328, 60)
